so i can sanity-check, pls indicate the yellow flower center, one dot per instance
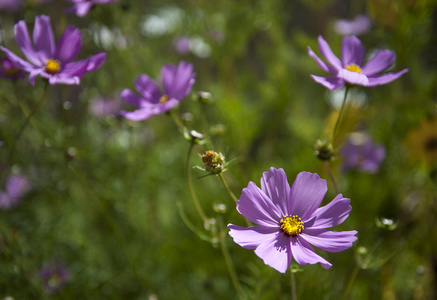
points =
(354, 68)
(291, 225)
(53, 66)
(164, 99)
(11, 72)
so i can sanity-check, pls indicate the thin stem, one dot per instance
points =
(190, 186)
(337, 123)
(23, 126)
(229, 264)
(231, 194)
(351, 281)
(177, 120)
(331, 176)
(293, 285)
(227, 188)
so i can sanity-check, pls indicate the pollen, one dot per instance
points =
(164, 99)
(354, 68)
(53, 66)
(291, 225)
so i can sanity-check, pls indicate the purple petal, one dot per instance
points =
(43, 38)
(17, 186)
(379, 62)
(321, 63)
(146, 112)
(331, 83)
(276, 252)
(327, 53)
(306, 194)
(132, 98)
(23, 41)
(69, 45)
(177, 81)
(148, 88)
(353, 77)
(95, 62)
(257, 207)
(352, 51)
(275, 185)
(304, 254)
(385, 78)
(80, 9)
(75, 80)
(17, 61)
(331, 241)
(330, 215)
(252, 237)
(33, 74)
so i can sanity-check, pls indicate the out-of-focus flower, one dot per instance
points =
(81, 7)
(53, 62)
(351, 69)
(359, 25)
(182, 45)
(290, 220)
(9, 70)
(16, 187)
(10, 5)
(176, 83)
(101, 107)
(54, 277)
(422, 141)
(362, 154)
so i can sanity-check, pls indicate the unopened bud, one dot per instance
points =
(204, 97)
(193, 136)
(324, 150)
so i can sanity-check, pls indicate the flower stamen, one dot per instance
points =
(291, 225)
(164, 99)
(53, 66)
(354, 68)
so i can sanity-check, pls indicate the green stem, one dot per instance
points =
(331, 176)
(23, 126)
(191, 188)
(351, 281)
(227, 188)
(177, 120)
(293, 285)
(229, 264)
(337, 123)
(231, 194)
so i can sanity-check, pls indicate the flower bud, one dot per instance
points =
(219, 208)
(324, 150)
(204, 97)
(193, 136)
(213, 162)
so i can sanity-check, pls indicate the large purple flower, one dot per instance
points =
(81, 7)
(290, 220)
(54, 62)
(351, 69)
(176, 84)
(362, 154)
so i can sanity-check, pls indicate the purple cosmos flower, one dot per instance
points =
(9, 70)
(359, 25)
(362, 154)
(54, 62)
(176, 84)
(290, 221)
(350, 69)
(101, 107)
(16, 187)
(81, 7)
(54, 277)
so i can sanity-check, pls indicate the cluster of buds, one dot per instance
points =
(213, 162)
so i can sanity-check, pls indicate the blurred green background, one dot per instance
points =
(110, 196)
